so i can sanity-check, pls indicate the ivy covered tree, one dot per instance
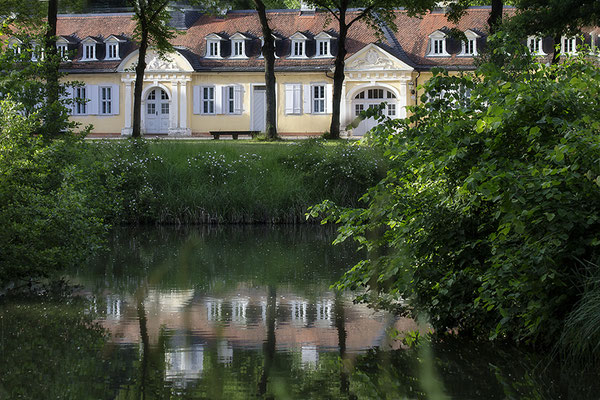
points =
(489, 221)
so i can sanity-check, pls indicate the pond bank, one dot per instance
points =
(195, 182)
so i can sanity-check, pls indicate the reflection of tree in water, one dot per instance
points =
(49, 348)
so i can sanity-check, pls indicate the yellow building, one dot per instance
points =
(214, 81)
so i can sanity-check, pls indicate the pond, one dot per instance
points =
(242, 312)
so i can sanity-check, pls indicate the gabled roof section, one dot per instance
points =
(115, 38)
(470, 33)
(65, 39)
(216, 36)
(299, 36)
(91, 39)
(239, 36)
(374, 57)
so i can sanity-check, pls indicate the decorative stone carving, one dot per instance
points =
(372, 60)
(155, 63)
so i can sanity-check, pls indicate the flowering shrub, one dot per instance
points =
(216, 168)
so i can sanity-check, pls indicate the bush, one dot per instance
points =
(492, 205)
(46, 220)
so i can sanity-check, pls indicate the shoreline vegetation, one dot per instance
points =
(243, 182)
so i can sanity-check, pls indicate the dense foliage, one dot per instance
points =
(44, 213)
(488, 222)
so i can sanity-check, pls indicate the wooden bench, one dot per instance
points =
(233, 134)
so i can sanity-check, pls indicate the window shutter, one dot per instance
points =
(328, 98)
(224, 99)
(196, 100)
(298, 99)
(67, 99)
(307, 99)
(115, 99)
(219, 109)
(91, 92)
(238, 91)
(289, 99)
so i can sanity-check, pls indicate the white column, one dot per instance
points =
(404, 95)
(183, 106)
(174, 110)
(127, 129)
(343, 109)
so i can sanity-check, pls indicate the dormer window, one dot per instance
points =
(469, 45)
(534, 44)
(323, 44)
(298, 45)
(262, 44)
(437, 45)
(89, 49)
(568, 45)
(238, 45)
(62, 50)
(213, 46)
(112, 48)
(37, 53)
(16, 45)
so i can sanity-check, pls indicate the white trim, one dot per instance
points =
(572, 45)
(435, 37)
(530, 42)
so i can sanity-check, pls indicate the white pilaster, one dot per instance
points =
(174, 111)
(183, 106)
(127, 107)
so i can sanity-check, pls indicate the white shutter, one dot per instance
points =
(328, 98)
(68, 99)
(196, 100)
(307, 100)
(289, 98)
(298, 99)
(238, 91)
(224, 99)
(219, 109)
(91, 92)
(115, 99)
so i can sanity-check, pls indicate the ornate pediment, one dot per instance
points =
(373, 58)
(154, 63)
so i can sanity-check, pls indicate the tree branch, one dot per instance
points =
(361, 15)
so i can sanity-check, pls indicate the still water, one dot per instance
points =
(242, 312)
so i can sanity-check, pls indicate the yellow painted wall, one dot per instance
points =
(101, 123)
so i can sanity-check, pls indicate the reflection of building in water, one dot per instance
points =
(113, 306)
(214, 309)
(184, 364)
(324, 312)
(224, 352)
(309, 355)
(299, 312)
(238, 310)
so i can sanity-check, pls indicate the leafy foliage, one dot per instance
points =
(46, 221)
(492, 204)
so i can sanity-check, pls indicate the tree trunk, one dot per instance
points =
(270, 342)
(338, 78)
(495, 18)
(139, 82)
(268, 51)
(556, 53)
(53, 120)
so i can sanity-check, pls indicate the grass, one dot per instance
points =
(176, 182)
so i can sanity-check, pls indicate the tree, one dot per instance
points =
(489, 221)
(376, 13)
(268, 51)
(152, 28)
(554, 18)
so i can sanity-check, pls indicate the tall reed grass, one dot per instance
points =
(180, 182)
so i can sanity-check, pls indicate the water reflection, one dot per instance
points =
(242, 313)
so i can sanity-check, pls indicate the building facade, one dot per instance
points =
(214, 80)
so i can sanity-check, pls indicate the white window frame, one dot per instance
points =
(36, 50)
(238, 46)
(207, 100)
(318, 102)
(63, 51)
(323, 42)
(437, 45)
(106, 102)
(298, 45)
(469, 47)
(16, 45)
(534, 44)
(213, 46)
(89, 52)
(109, 46)
(568, 45)
(80, 100)
(232, 99)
